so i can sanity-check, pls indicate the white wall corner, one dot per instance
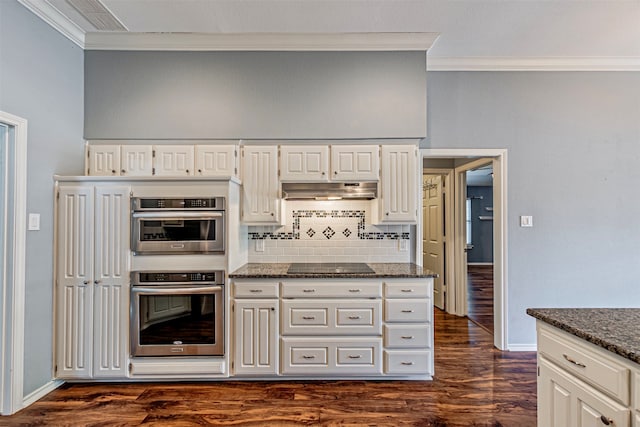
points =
(41, 392)
(57, 20)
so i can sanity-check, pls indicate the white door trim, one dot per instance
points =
(12, 354)
(500, 253)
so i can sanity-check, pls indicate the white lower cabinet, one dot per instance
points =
(581, 385)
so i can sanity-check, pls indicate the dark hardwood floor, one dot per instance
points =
(474, 385)
(480, 295)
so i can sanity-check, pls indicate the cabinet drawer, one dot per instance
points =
(331, 289)
(407, 336)
(331, 355)
(407, 310)
(331, 317)
(408, 362)
(408, 289)
(256, 290)
(590, 364)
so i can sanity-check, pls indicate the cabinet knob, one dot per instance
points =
(113, 171)
(97, 282)
(122, 171)
(387, 214)
(86, 282)
(187, 171)
(322, 173)
(606, 421)
(272, 214)
(335, 172)
(199, 170)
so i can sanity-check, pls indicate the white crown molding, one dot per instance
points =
(261, 41)
(57, 20)
(552, 63)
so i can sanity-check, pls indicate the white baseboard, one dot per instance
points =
(479, 263)
(522, 347)
(41, 392)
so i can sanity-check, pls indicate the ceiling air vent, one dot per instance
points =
(97, 14)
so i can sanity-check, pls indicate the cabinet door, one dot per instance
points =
(256, 337)
(399, 184)
(300, 163)
(74, 282)
(111, 279)
(173, 160)
(136, 160)
(103, 160)
(216, 160)
(355, 162)
(260, 200)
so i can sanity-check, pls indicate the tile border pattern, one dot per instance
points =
(297, 215)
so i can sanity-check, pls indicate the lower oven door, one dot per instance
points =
(172, 232)
(177, 321)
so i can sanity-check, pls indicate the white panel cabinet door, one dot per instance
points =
(74, 282)
(260, 201)
(216, 160)
(355, 162)
(173, 160)
(136, 160)
(399, 184)
(111, 281)
(256, 337)
(300, 163)
(103, 160)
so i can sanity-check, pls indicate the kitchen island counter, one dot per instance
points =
(614, 329)
(380, 270)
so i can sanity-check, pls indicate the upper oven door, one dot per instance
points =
(177, 232)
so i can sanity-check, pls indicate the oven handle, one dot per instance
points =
(173, 290)
(177, 215)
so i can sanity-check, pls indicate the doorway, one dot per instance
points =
(457, 162)
(13, 183)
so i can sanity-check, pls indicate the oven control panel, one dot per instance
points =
(175, 277)
(145, 203)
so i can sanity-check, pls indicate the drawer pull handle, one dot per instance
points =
(255, 291)
(308, 290)
(407, 363)
(406, 290)
(356, 356)
(354, 317)
(308, 317)
(308, 357)
(407, 337)
(355, 290)
(407, 311)
(570, 360)
(606, 421)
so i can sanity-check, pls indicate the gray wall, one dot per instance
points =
(481, 230)
(41, 80)
(274, 95)
(573, 141)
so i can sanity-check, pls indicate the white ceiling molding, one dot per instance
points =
(487, 63)
(261, 41)
(57, 20)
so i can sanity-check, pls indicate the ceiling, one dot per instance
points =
(473, 34)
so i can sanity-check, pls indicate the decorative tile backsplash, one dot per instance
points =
(329, 232)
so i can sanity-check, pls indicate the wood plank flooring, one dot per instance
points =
(474, 385)
(480, 295)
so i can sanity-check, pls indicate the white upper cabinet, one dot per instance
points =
(355, 162)
(302, 163)
(173, 160)
(260, 198)
(136, 160)
(399, 184)
(103, 160)
(216, 160)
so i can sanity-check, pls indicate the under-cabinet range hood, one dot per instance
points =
(330, 190)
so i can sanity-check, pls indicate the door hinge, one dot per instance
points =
(153, 153)
(58, 195)
(235, 152)
(130, 367)
(88, 154)
(233, 365)
(88, 171)
(235, 171)
(55, 370)
(538, 370)
(233, 308)
(153, 171)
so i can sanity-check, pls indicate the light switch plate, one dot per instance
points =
(403, 245)
(260, 245)
(526, 221)
(34, 221)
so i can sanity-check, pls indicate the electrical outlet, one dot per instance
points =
(260, 245)
(403, 245)
(34, 221)
(526, 221)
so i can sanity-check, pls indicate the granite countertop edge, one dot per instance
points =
(603, 339)
(381, 270)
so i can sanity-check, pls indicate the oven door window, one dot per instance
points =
(177, 230)
(178, 319)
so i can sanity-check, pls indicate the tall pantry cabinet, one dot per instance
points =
(92, 280)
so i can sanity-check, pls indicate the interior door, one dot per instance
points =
(433, 238)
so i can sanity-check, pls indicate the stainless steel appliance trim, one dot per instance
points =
(177, 215)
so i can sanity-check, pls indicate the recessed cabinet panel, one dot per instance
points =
(331, 317)
(216, 160)
(355, 162)
(136, 160)
(302, 163)
(173, 160)
(103, 160)
(256, 337)
(399, 184)
(260, 186)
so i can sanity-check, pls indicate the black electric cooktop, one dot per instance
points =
(329, 267)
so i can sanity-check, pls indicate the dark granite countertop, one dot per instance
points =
(279, 270)
(614, 329)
